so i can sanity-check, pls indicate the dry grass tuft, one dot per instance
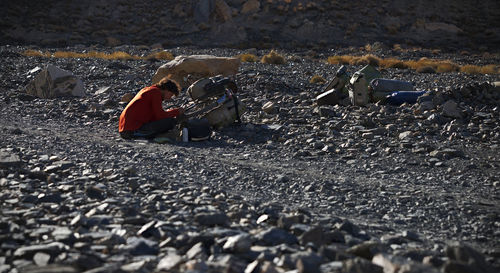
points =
(423, 65)
(35, 53)
(471, 69)
(490, 69)
(117, 55)
(426, 69)
(343, 59)
(160, 55)
(316, 79)
(447, 66)
(392, 63)
(249, 58)
(366, 59)
(273, 58)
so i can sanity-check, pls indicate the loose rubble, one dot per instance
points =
(298, 187)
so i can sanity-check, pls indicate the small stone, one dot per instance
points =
(269, 107)
(361, 265)
(240, 243)
(275, 236)
(450, 109)
(405, 135)
(9, 159)
(169, 262)
(95, 192)
(41, 259)
(314, 235)
(211, 219)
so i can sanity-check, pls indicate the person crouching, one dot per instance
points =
(144, 115)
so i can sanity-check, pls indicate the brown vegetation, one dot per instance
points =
(423, 65)
(316, 79)
(273, 58)
(117, 55)
(249, 58)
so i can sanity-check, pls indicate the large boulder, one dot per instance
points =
(54, 82)
(197, 67)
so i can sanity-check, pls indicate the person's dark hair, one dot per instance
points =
(170, 85)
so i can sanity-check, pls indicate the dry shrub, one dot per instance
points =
(249, 58)
(344, 59)
(273, 58)
(447, 66)
(471, 69)
(397, 47)
(35, 53)
(68, 54)
(490, 69)
(160, 55)
(426, 69)
(120, 55)
(422, 62)
(316, 79)
(393, 63)
(366, 59)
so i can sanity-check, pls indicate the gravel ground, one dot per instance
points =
(305, 188)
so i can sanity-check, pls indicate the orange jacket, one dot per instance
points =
(143, 108)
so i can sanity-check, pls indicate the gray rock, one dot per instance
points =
(275, 236)
(359, 265)
(41, 259)
(211, 219)
(9, 159)
(450, 109)
(467, 256)
(314, 235)
(169, 262)
(54, 82)
(140, 246)
(366, 249)
(238, 244)
(52, 249)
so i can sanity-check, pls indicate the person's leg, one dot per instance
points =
(153, 128)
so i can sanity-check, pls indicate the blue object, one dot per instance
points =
(400, 97)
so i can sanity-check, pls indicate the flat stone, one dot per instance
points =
(211, 219)
(240, 243)
(9, 159)
(169, 262)
(275, 236)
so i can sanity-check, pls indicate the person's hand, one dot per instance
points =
(181, 110)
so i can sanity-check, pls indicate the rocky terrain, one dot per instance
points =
(451, 25)
(296, 187)
(301, 188)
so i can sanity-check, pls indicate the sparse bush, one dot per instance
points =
(426, 69)
(273, 58)
(249, 58)
(35, 53)
(68, 54)
(423, 65)
(316, 79)
(366, 59)
(393, 63)
(490, 69)
(160, 55)
(471, 69)
(118, 55)
(447, 66)
(344, 59)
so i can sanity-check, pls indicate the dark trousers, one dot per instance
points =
(151, 129)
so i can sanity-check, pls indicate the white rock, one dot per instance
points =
(55, 82)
